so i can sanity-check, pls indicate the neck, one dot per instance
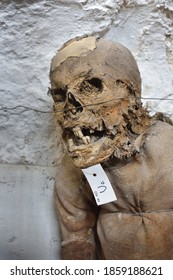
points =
(131, 133)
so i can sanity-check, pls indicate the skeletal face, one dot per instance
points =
(95, 85)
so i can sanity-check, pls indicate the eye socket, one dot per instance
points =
(59, 94)
(97, 83)
(93, 85)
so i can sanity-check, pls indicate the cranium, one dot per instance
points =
(96, 88)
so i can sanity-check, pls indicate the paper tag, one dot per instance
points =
(100, 184)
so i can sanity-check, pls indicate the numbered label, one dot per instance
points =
(102, 187)
(100, 184)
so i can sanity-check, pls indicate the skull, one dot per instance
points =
(96, 88)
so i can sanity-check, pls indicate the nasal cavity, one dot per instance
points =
(72, 100)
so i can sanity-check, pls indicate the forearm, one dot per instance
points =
(78, 250)
(77, 233)
(77, 245)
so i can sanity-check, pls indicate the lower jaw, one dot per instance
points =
(92, 154)
(101, 151)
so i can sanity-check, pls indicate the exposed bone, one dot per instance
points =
(73, 111)
(103, 80)
(100, 126)
(75, 132)
(70, 143)
(113, 131)
(98, 71)
(74, 48)
(78, 132)
(86, 140)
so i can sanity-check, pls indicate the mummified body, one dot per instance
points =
(96, 88)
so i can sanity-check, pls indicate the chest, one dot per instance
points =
(143, 184)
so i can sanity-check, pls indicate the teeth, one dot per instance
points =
(77, 132)
(80, 134)
(114, 132)
(86, 140)
(70, 143)
(74, 111)
(100, 127)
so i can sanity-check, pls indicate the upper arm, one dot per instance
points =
(77, 214)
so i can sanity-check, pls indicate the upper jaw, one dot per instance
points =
(88, 146)
(86, 155)
(82, 137)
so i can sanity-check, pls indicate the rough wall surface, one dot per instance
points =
(30, 34)
(32, 31)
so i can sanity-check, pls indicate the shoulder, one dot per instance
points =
(159, 140)
(68, 175)
(70, 182)
(160, 130)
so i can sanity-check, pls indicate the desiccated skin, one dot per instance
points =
(96, 87)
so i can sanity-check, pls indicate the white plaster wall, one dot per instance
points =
(30, 34)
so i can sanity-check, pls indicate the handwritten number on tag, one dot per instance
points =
(103, 187)
(100, 184)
